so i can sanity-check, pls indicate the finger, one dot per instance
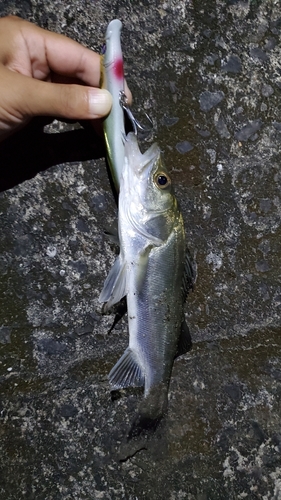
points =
(33, 51)
(128, 93)
(68, 101)
(48, 51)
(68, 58)
(30, 97)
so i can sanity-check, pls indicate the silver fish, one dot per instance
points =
(152, 271)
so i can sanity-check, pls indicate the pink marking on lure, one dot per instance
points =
(118, 69)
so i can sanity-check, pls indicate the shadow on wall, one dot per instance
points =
(31, 150)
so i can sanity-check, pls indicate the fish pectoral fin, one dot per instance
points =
(114, 288)
(142, 266)
(126, 372)
(185, 342)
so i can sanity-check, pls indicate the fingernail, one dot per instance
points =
(100, 102)
(128, 93)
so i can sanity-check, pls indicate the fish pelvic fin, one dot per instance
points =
(185, 342)
(120, 311)
(126, 372)
(114, 288)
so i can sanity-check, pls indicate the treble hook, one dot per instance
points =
(137, 126)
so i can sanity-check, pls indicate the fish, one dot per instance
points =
(155, 272)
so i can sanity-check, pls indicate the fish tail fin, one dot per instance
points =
(151, 411)
(126, 372)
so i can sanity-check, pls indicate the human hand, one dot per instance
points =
(44, 73)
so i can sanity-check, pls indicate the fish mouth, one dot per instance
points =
(138, 161)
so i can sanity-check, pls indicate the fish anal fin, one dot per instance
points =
(126, 372)
(185, 342)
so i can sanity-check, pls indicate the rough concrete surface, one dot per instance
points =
(209, 75)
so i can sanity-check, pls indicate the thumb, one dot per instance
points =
(64, 100)
(24, 97)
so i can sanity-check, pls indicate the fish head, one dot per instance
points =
(148, 182)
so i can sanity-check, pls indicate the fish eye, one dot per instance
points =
(162, 180)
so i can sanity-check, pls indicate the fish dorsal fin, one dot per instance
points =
(185, 342)
(189, 275)
(114, 288)
(126, 372)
